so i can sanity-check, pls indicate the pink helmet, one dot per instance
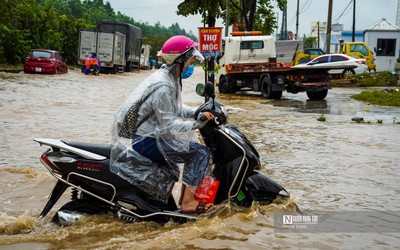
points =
(176, 46)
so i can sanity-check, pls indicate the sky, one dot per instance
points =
(368, 13)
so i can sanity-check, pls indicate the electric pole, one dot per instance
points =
(328, 28)
(227, 19)
(354, 22)
(318, 34)
(284, 34)
(296, 37)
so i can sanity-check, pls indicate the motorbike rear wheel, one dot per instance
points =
(82, 206)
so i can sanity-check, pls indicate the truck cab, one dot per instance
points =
(306, 55)
(246, 49)
(358, 50)
(241, 55)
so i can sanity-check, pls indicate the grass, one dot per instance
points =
(382, 79)
(11, 67)
(384, 97)
(388, 95)
(321, 118)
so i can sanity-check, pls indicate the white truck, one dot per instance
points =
(109, 47)
(249, 62)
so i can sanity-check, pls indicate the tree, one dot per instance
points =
(309, 42)
(245, 14)
(254, 15)
(209, 10)
(55, 24)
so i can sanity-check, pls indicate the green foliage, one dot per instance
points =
(369, 80)
(321, 118)
(309, 42)
(385, 97)
(55, 24)
(246, 14)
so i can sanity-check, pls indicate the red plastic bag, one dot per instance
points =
(207, 190)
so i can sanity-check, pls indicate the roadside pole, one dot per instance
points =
(210, 45)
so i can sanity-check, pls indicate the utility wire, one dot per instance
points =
(302, 9)
(305, 6)
(343, 12)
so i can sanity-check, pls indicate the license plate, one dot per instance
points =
(37, 69)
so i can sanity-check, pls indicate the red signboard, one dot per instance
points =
(210, 39)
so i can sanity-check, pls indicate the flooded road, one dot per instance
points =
(328, 167)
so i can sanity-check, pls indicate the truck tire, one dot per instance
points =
(224, 87)
(266, 89)
(317, 95)
(114, 70)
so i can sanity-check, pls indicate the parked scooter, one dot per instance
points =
(84, 167)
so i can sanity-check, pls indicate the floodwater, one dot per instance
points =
(332, 167)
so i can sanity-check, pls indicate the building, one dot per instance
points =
(335, 39)
(337, 33)
(384, 39)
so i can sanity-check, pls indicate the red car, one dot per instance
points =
(45, 61)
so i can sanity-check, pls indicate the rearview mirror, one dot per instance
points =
(209, 90)
(200, 89)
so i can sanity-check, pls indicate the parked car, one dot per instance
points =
(45, 61)
(338, 60)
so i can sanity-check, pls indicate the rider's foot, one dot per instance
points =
(195, 206)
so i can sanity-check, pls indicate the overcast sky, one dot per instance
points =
(368, 12)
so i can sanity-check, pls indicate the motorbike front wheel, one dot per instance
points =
(263, 189)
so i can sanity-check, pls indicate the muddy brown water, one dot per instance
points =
(330, 167)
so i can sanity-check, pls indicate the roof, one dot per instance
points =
(383, 25)
(346, 36)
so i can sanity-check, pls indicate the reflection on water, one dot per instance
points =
(337, 165)
(339, 104)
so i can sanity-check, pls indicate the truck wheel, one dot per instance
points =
(266, 89)
(317, 95)
(114, 70)
(224, 87)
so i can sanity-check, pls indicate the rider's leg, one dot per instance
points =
(189, 203)
(195, 160)
(196, 163)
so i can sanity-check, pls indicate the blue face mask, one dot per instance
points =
(188, 72)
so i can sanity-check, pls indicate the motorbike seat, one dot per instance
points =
(100, 149)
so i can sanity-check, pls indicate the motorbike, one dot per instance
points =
(85, 169)
(94, 70)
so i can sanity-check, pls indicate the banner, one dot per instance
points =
(210, 39)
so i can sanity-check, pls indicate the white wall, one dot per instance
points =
(383, 63)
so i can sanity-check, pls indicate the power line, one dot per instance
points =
(343, 12)
(305, 6)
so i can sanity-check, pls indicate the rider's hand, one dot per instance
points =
(206, 116)
(202, 119)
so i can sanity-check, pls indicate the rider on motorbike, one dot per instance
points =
(92, 61)
(162, 134)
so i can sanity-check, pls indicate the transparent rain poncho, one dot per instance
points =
(168, 121)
